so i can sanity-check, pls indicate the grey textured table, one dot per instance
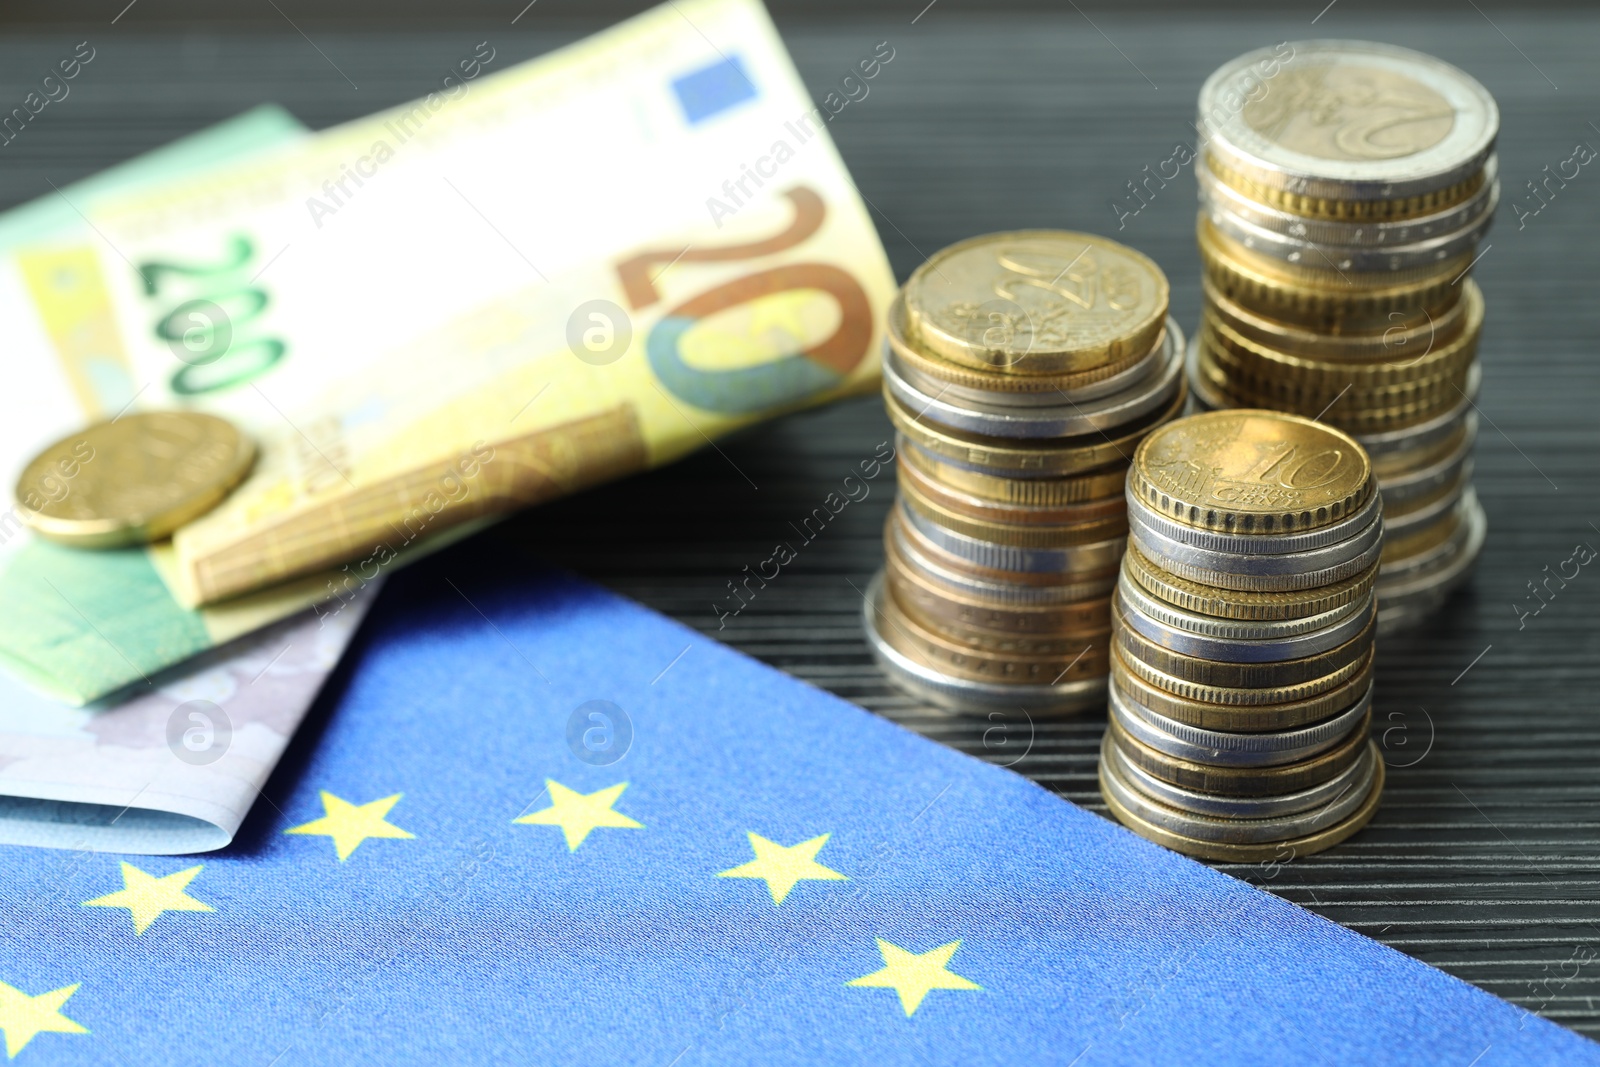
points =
(1484, 858)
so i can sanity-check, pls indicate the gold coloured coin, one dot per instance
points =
(1242, 604)
(1036, 302)
(1250, 472)
(1033, 492)
(1340, 209)
(1270, 675)
(1445, 359)
(1281, 851)
(1022, 535)
(1059, 457)
(1061, 644)
(1243, 696)
(1297, 389)
(977, 507)
(134, 479)
(931, 648)
(990, 380)
(1242, 718)
(1399, 339)
(941, 609)
(1216, 383)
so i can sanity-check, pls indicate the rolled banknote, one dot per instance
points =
(403, 400)
(526, 283)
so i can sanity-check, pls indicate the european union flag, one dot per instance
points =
(468, 860)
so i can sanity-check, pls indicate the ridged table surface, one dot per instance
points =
(1484, 858)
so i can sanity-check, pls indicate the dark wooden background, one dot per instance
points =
(1484, 858)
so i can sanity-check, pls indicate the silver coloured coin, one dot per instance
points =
(998, 593)
(1369, 235)
(1412, 591)
(1348, 120)
(1088, 558)
(1405, 567)
(1273, 544)
(1307, 252)
(1357, 777)
(1407, 599)
(965, 696)
(1257, 564)
(1068, 419)
(1136, 599)
(1224, 650)
(1414, 484)
(1226, 830)
(1431, 512)
(1258, 583)
(1223, 749)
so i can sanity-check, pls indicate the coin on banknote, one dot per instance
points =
(1036, 302)
(133, 479)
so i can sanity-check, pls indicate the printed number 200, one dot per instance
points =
(209, 328)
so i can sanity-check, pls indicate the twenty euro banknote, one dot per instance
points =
(531, 281)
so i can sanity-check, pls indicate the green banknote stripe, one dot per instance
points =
(78, 625)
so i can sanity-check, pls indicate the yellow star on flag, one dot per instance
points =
(23, 1017)
(147, 897)
(784, 867)
(914, 976)
(577, 813)
(350, 824)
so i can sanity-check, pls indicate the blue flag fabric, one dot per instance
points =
(467, 860)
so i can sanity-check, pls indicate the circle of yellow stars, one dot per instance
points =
(148, 897)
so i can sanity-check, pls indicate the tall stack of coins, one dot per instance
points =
(1241, 672)
(1021, 371)
(1343, 193)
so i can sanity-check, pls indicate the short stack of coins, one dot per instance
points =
(1243, 623)
(1344, 191)
(1021, 370)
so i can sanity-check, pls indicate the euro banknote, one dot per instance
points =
(175, 768)
(532, 280)
(78, 626)
(422, 406)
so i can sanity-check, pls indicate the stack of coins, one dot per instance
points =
(1021, 370)
(1343, 193)
(1241, 673)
